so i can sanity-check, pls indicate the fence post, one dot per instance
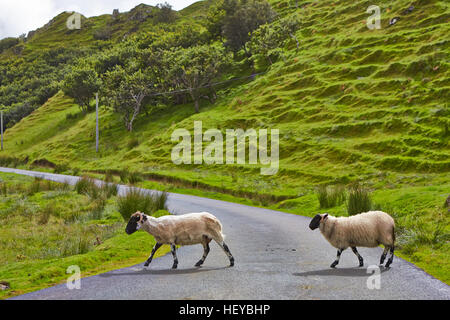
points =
(1, 116)
(96, 122)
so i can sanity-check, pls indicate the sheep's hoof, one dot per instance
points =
(198, 264)
(333, 265)
(174, 266)
(146, 264)
(361, 264)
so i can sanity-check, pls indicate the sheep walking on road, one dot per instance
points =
(187, 229)
(368, 229)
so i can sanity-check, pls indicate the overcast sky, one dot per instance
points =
(21, 16)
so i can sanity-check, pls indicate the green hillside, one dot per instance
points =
(352, 104)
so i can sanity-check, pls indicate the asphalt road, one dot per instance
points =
(277, 257)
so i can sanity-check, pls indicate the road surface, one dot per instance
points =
(277, 257)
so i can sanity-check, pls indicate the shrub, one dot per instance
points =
(110, 189)
(46, 212)
(60, 168)
(359, 200)
(134, 177)
(97, 210)
(138, 200)
(124, 176)
(330, 196)
(86, 186)
(75, 171)
(109, 176)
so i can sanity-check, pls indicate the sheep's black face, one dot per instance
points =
(132, 225)
(315, 222)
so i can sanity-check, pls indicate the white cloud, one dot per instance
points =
(21, 16)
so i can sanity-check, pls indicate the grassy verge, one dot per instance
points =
(47, 227)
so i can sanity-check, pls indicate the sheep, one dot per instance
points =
(187, 229)
(368, 229)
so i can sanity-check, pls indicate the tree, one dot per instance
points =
(81, 84)
(239, 24)
(165, 14)
(194, 69)
(268, 40)
(125, 90)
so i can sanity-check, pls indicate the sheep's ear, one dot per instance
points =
(325, 216)
(144, 217)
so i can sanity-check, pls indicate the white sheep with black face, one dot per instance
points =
(186, 229)
(368, 229)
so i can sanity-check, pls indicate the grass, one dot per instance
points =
(330, 196)
(359, 200)
(138, 200)
(43, 233)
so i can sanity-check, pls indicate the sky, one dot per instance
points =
(20, 16)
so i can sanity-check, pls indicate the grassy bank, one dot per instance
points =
(47, 227)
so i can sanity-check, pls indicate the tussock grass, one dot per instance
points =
(359, 200)
(85, 185)
(331, 196)
(134, 177)
(138, 200)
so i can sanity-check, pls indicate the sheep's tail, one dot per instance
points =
(216, 229)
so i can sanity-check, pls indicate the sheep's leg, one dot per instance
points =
(391, 257)
(155, 248)
(361, 260)
(174, 254)
(335, 263)
(383, 256)
(227, 251)
(206, 250)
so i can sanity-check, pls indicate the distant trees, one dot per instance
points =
(169, 64)
(268, 40)
(165, 14)
(195, 69)
(236, 20)
(7, 43)
(125, 90)
(81, 84)
(15, 114)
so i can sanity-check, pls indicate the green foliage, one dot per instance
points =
(16, 113)
(165, 14)
(138, 200)
(104, 33)
(81, 84)
(7, 43)
(134, 177)
(359, 200)
(86, 185)
(269, 39)
(331, 196)
(195, 69)
(126, 89)
(241, 19)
